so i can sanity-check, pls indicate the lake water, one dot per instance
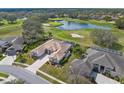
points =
(76, 26)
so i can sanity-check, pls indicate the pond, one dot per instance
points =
(77, 26)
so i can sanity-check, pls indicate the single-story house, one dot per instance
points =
(100, 61)
(11, 45)
(55, 48)
(15, 40)
(4, 45)
(14, 49)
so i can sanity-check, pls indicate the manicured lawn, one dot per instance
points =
(87, 41)
(3, 75)
(47, 78)
(9, 30)
(66, 35)
(24, 58)
(55, 24)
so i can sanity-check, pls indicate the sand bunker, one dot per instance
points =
(76, 36)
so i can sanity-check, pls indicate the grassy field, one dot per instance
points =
(8, 30)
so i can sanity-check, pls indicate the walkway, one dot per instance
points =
(38, 63)
(8, 60)
(23, 74)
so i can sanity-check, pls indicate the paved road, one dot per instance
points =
(38, 63)
(23, 74)
(8, 60)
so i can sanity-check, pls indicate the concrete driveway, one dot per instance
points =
(101, 79)
(8, 60)
(38, 63)
(23, 74)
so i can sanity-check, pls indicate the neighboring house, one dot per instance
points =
(14, 49)
(99, 61)
(17, 46)
(4, 45)
(55, 48)
(15, 40)
(11, 45)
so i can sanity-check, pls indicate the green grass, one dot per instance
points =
(87, 41)
(3, 75)
(24, 58)
(8, 30)
(47, 78)
(66, 35)
(19, 65)
(61, 73)
(1, 57)
(55, 24)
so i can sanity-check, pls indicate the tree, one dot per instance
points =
(103, 37)
(120, 23)
(11, 18)
(78, 51)
(50, 35)
(107, 18)
(1, 19)
(33, 30)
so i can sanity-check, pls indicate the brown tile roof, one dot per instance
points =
(56, 46)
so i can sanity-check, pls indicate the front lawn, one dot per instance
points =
(24, 58)
(61, 73)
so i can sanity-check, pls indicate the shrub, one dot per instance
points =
(78, 51)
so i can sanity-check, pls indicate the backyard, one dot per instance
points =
(86, 41)
(62, 73)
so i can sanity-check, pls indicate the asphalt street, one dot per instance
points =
(23, 74)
